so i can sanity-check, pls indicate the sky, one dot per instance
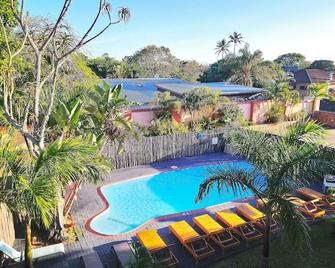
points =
(191, 28)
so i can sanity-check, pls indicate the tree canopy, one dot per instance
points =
(292, 59)
(327, 65)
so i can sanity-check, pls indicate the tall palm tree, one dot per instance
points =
(222, 47)
(30, 187)
(236, 38)
(280, 165)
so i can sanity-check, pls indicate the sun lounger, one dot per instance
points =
(320, 199)
(256, 216)
(244, 229)
(38, 253)
(158, 250)
(223, 237)
(309, 208)
(195, 244)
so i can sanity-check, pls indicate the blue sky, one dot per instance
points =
(191, 28)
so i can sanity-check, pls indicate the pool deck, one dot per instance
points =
(89, 203)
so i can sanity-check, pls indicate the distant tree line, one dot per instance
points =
(151, 61)
(241, 66)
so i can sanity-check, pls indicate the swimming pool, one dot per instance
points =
(134, 202)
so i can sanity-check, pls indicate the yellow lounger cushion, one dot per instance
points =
(310, 193)
(207, 224)
(250, 212)
(230, 218)
(183, 231)
(150, 239)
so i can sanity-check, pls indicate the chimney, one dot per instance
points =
(331, 76)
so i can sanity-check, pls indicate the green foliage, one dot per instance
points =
(291, 59)
(207, 123)
(230, 114)
(104, 117)
(276, 113)
(155, 61)
(142, 259)
(167, 105)
(31, 186)
(327, 65)
(165, 127)
(6, 14)
(104, 67)
(222, 47)
(151, 61)
(319, 90)
(280, 165)
(66, 117)
(288, 96)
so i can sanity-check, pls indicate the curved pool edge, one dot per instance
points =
(164, 217)
(133, 232)
(88, 227)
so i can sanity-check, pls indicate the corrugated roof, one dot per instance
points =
(142, 90)
(225, 89)
(312, 76)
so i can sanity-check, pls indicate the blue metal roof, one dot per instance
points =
(225, 89)
(142, 90)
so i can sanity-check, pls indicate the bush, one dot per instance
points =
(165, 127)
(230, 114)
(276, 113)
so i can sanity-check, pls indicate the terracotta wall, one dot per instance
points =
(327, 118)
(142, 117)
(7, 231)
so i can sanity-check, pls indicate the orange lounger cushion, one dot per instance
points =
(250, 212)
(230, 218)
(150, 239)
(183, 231)
(310, 193)
(207, 224)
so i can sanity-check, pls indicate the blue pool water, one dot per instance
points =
(134, 202)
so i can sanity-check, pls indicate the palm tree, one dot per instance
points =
(30, 187)
(248, 63)
(222, 47)
(236, 38)
(319, 91)
(280, 165)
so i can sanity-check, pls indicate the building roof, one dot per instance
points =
(310, 76)
(225, 89)
(142, 90)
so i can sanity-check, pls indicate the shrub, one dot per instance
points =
(165, 127)
(230, 114)
(276, 113)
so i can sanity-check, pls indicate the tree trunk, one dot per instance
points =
(28, 252)
(266, 245)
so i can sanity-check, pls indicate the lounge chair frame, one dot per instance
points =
(261, 222)
(247, 231)
(224, 243)
(197, 253)
(170, 261)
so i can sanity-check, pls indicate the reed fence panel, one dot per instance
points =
(147, 150)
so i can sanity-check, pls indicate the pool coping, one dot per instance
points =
(88, 227)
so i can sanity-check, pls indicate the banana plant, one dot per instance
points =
(105, 117)
(66, 117)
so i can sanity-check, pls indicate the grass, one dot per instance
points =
(322, 255)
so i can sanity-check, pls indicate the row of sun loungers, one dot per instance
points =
(227, 237)
(197, 245)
